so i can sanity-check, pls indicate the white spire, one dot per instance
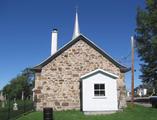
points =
(76, 31)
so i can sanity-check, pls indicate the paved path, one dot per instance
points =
(143, 104)
(143, 101)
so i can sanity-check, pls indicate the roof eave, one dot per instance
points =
(125, 69)
(36, 69)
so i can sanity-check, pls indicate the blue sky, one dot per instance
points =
(26, 25)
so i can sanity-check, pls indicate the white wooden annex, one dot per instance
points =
(99, 91)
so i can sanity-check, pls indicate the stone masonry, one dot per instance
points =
(58, 83)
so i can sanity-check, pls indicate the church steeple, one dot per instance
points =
(76, 31)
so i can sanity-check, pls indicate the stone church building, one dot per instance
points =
(76, 72)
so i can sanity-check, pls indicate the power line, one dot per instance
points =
(126, 57)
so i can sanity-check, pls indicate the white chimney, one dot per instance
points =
(54, 41)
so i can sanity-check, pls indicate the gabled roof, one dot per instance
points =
(90, 43)
(99, 71)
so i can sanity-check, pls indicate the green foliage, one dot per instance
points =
(23, 82)
(147, 42)
(130, 113)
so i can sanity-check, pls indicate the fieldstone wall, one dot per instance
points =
(58, 84)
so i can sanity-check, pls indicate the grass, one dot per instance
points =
(135, 113)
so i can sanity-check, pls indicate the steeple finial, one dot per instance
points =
(76, 31)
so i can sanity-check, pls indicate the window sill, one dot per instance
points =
(99, 97)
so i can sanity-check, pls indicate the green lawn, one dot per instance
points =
(136, 113)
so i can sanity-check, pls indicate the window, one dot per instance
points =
(99, 89)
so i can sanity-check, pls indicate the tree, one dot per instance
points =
(146, 36)
(21, 83)
(29, 83)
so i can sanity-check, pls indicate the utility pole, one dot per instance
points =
(132, 70)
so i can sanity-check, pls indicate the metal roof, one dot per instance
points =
(99, 71)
